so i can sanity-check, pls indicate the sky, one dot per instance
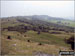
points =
(64, 9)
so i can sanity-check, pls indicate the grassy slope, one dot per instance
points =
(43, 37)
(14, 22)
(11, 23)
(51, 43)
(72, 23)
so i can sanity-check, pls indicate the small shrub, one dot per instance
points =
(8, 37)
(28, 40)
(25, 35)
(38, 32)
(40, 44)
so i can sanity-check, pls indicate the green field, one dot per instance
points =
(48, 40)
(71, 23)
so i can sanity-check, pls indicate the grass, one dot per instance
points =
(72, 23)
(50, 44)
(45, 38)
(11, 23)
(26, 48)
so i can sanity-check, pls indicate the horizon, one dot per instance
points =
(29, 8)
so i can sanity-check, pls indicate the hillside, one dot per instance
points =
(56, 20)
(30, 35)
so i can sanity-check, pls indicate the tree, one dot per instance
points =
(58, 22)
(71, 41)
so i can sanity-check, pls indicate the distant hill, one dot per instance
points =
(55, 20)
(44, 17)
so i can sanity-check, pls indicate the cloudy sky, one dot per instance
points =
(51, 8)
